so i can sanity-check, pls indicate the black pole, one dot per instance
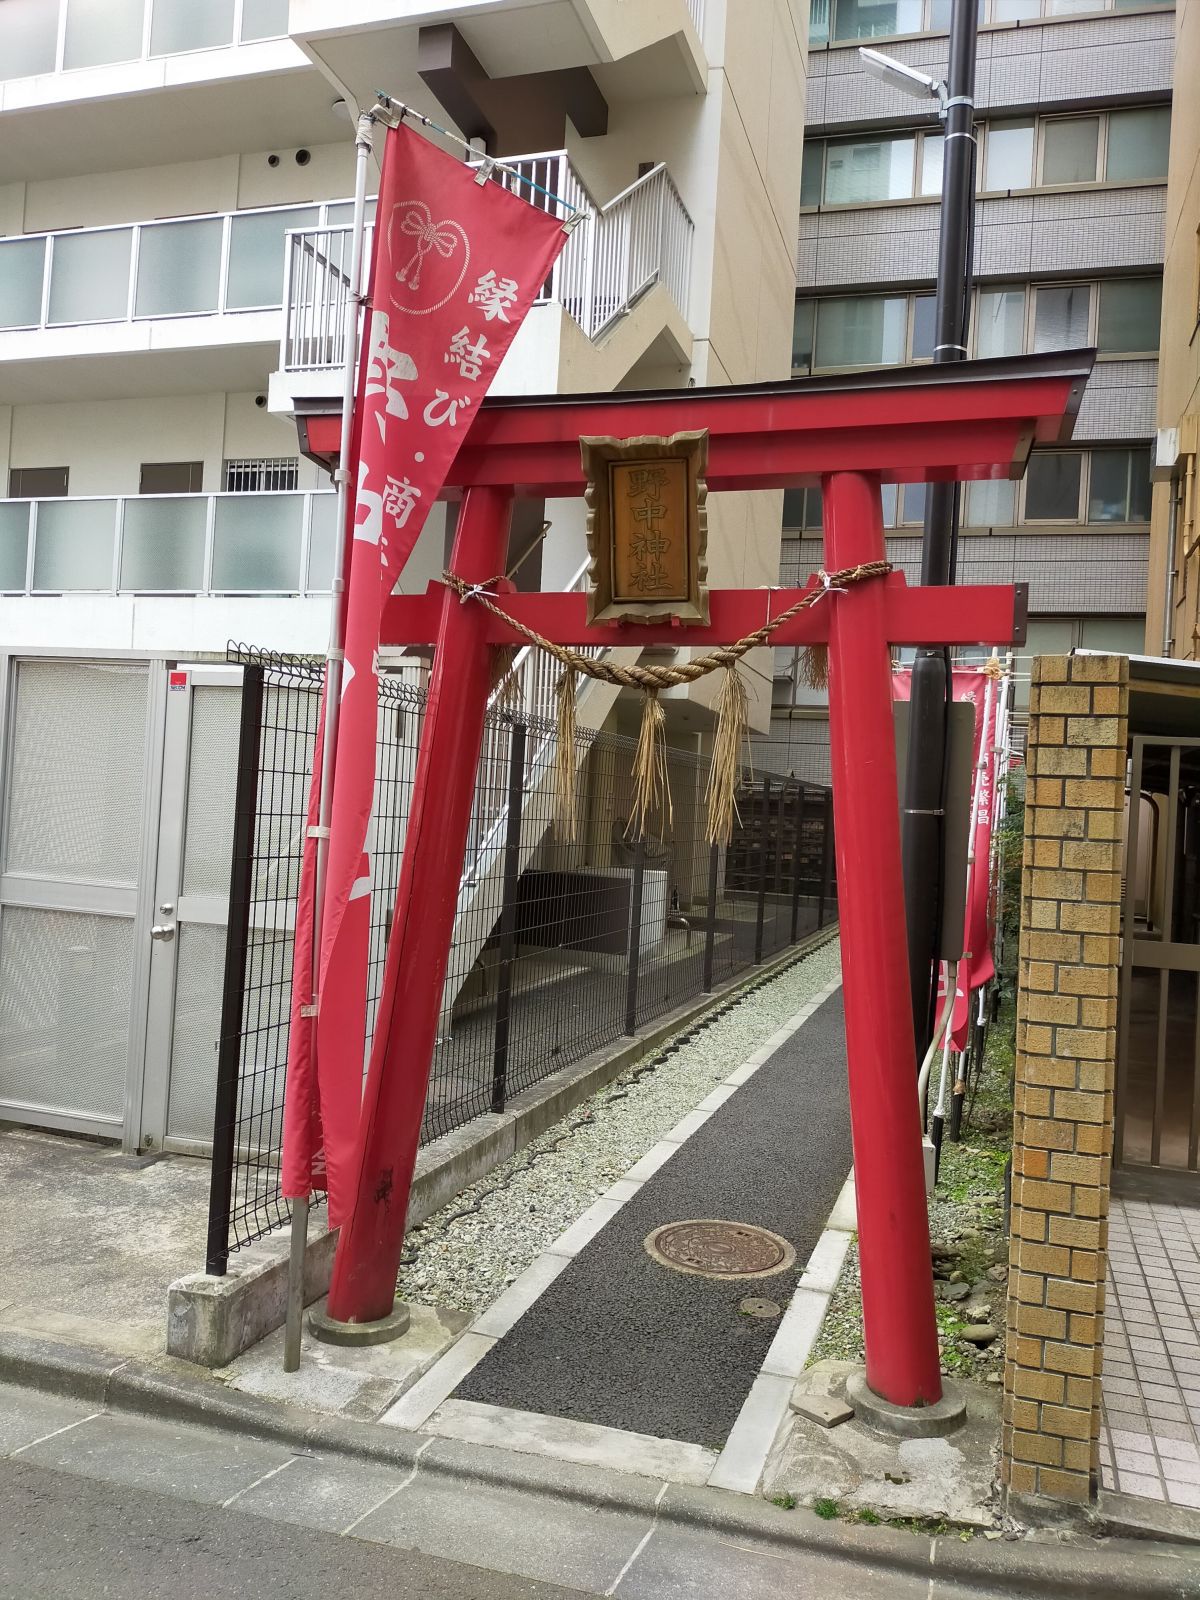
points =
(710, 927)
(635, 937)
(796, 852)
(764, 830)
(921, 823)
(508, 912)
(233, 989)
(826, 857)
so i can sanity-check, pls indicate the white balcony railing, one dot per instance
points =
(622, 249)
(63, 35)
(255, 543)
(696, 7)
(189, 266)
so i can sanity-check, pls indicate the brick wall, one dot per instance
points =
(1066, 1048)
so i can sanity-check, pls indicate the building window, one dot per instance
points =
(877, 19)
(269, 474)
(868, 330)
(171, 477)
(855, 172)
(1061, 486)
(1120, 316)
(37, 483)
(1052, 484)
(1015, 153)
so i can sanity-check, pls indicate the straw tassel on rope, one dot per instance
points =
(651, 787)
(565, 759)
(733, 716)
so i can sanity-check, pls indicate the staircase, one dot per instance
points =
(479, 891)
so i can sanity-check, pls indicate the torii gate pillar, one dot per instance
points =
(900, 1327)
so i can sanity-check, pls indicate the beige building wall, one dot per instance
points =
(1173, 616)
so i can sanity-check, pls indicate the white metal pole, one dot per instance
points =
(335, 657)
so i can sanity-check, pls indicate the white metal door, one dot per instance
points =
(78, 763)
(191, 900)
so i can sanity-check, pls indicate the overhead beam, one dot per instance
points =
(984, 614)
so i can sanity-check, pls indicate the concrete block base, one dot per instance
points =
(907, 1422)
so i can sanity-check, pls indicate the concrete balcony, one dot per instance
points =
(187, 305)
(621, 283)
(175, 572)
(232, 77)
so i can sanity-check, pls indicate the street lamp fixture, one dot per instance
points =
(907, 79)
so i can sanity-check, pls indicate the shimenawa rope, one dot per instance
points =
(651, 788)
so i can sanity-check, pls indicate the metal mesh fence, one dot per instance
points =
(561, 946)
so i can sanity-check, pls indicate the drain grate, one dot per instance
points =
(714, 1249)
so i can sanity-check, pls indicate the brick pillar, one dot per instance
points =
(1065, 1066)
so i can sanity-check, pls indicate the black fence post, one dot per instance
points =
(764, 831)
(797, 852)
(826, 858)
(508, 912)
(237, 939)
(710, 926)
(635, 938)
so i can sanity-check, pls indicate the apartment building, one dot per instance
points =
(1173, 600)
(1074, 130)
(175, 180)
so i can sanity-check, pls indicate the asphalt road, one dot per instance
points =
(92, 1540)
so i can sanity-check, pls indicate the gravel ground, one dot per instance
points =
(968, 1235)
(473, 1249)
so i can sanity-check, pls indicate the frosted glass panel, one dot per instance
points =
(866, 331)
(179, 268)
(75, 807)
(991, 504)
(1130, 309)
(89, 276)
(14, 545)
(21, 264)
(931, 164)
(190, 25)
(28, 38)
(212, 778)
(1060, 318)
(264, 19)
(869, 169)
(321, 541)
(100, 31)
(1138, 142)
(257, 542)
(1009, 158)
(64, 1010)
(73, 547)
(1000, 322)
(162, 547)
(196, 1027)
(1069, 150)
(256, 256)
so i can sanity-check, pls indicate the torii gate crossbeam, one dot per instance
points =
(975, 420)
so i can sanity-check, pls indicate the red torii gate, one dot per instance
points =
(974, 420)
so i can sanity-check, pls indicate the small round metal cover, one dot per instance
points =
(711, 1248)
(753, 1306)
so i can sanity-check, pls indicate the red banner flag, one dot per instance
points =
(457, 263)
(976, 967)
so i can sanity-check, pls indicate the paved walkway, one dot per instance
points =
(1150, 1442)
(623, 1341)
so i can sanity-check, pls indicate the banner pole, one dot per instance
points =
(334, 658)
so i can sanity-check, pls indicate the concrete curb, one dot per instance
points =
(1118, 1569)
(211, 1321)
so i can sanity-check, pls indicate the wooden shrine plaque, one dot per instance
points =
(647, 528)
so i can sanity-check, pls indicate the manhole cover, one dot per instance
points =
(713, 1249)
(754, 1307)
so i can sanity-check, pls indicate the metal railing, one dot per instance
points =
(643, 236)
(586, 941)
(208, 264)
(696, 11)
(255, 542)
